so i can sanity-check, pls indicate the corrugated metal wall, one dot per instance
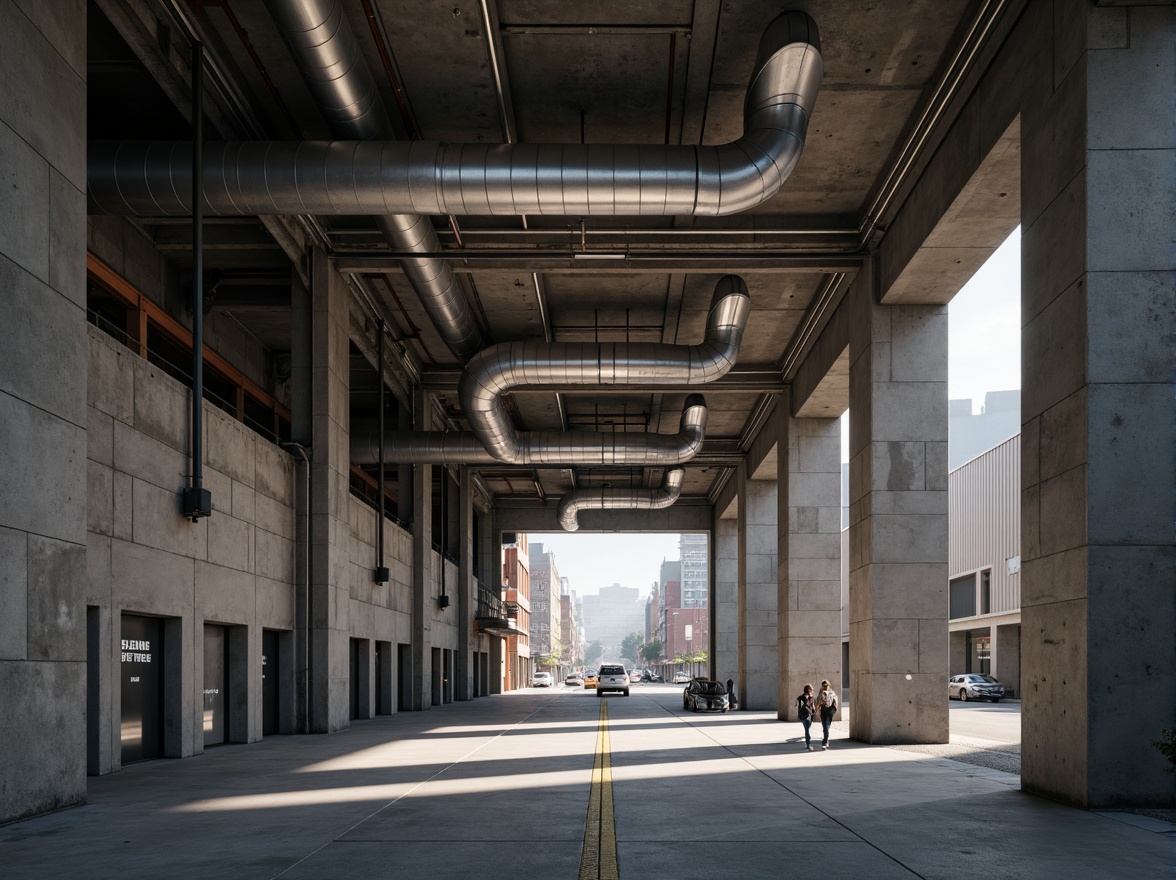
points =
(984, 504)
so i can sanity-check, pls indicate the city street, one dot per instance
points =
(557, 783)
(995, 721)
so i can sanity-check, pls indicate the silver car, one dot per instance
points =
(974, 686)
(613, 677)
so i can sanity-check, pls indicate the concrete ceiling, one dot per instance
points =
(611, 71)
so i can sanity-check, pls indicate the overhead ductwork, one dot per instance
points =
(502, 368)
(571, 504)
(328, 57)
(622, 449)
(424, 177)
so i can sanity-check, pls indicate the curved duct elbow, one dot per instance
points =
(501, 368)
(571, 504)
(328, 57)
(432, 178)
(546, 447)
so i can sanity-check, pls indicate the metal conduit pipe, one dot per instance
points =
(426, 177)
(571, 504)
(626, 449)
(328, 57)
(501, 368)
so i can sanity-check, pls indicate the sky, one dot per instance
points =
(984, 354)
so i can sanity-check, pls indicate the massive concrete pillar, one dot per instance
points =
(43, 356)
(330, 492)
(758, 664)
(463, 661)
(422, 564)
(724, 600)
(897, 519)
(808, 464)
(1099, 424)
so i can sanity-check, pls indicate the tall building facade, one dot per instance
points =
(516, 584)
(692, 549)
(611, 615)
(546, 627)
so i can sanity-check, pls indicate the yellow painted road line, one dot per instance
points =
(598, 861)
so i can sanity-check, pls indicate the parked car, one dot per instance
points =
(590, 680)
(613, 677)
(574, 679)
(974, 686)
(635, 677)
(681, 677)
(702, 695)
(542, 680)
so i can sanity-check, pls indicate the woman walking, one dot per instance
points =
(806, 708)
(827, 704)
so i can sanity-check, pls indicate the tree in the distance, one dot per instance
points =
(631, 646)
(651, 651)
(592, 653)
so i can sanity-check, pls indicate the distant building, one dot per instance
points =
(610, 616)
(695, 585)
(971, 435)
(516, 582)
(546, 627)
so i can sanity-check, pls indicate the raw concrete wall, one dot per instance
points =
(234, 568)
(1098, 416)
(758, 660)
(809, 566)
(42, 406)
(725, 600)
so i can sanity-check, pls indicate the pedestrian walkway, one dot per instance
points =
(557, 784)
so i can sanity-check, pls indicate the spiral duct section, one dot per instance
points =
(571, 504)
(622, 449)
(501, 368)
(426, 177)
(328, 57)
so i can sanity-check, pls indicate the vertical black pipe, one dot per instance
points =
(381, 570)
(197, 264)
(197, 500)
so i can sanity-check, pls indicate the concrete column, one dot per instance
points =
(302, 433)
(957, 657)
(758, 663)
(897, 520)
(463, 659)
(422, 565)
(329, 499)
(1007, 642)
(43, 358)
(808, 453)
(1098, 418)
(725, 601)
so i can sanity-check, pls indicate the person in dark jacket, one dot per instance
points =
(806, 708)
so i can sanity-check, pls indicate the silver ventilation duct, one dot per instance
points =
(571, 504)
(501, 368)
(624, 449)
(328, 57)
(426, 177)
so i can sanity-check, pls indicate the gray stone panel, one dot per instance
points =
(110, 375)
(44, 100)
(162, 406)
(56, 609)
(42, 773)
(24, 179)
(13, 594)
(48, 476)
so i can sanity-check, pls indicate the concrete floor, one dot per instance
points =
(500, 787)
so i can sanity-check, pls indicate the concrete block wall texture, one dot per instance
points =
(330, 588)
(758, 651)
(423, 562)
(898, 521)
(724, 601)
(43, 484)
(235, 568)
(1098, 476)
(809, 557)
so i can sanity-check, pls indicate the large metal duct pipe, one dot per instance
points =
(328, 57)
(425, 177)
(571, 504)
(501, 368)
(624, 449)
